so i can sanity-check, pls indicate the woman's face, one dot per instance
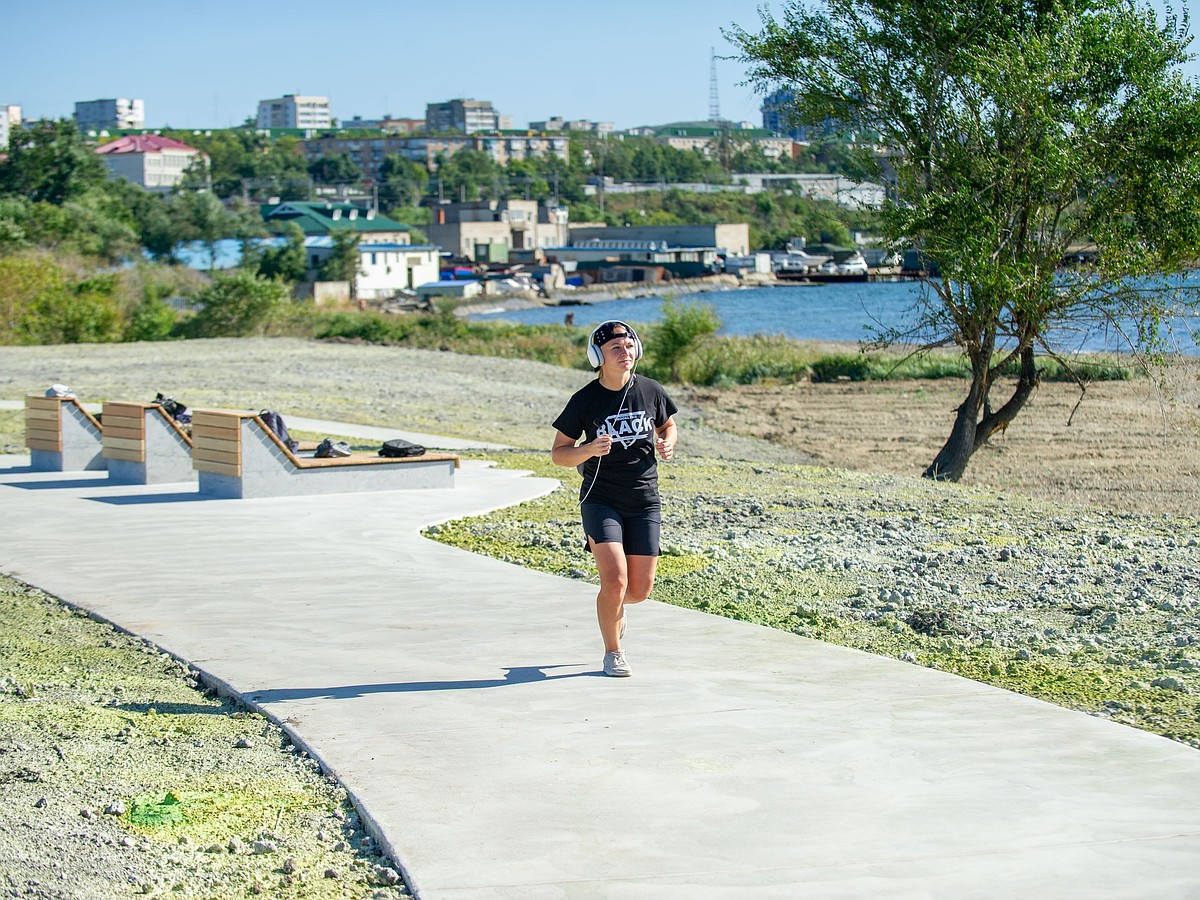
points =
(620, 350)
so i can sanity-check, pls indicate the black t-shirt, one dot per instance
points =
(628, 476)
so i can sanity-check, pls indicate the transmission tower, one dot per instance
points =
(714, 100)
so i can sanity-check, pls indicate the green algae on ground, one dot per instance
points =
(121, 769)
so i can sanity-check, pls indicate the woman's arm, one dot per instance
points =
(566, 452)
(667, 435)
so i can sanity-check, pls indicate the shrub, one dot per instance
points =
(683, 327)
(238, 305)
(43, 301)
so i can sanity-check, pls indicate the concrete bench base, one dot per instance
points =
(62, 436)
(144, 445)
(238, 457)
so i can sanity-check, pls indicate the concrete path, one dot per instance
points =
(458, 699)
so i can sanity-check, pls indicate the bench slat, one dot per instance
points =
(48, 444)
(211, 443)
(33, 401)
(41, 415)
(120, 443)
(129, 408)
(219, 418)
(202, 454)
(129, 429)
(217, 468)
(136, 456)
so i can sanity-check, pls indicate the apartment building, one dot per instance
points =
(295, 111)
(704, 138)
(473, 230)
(558, 123)
(110, 115)
(368, 153)
(465, 117)
(154, 162)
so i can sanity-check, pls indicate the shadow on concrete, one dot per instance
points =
(101, 481)
(143, 499)
(514, 675)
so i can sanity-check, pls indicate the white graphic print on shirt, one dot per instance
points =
(627, 428)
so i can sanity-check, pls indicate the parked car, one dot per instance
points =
(853, 265)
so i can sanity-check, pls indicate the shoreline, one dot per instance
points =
(599, 293)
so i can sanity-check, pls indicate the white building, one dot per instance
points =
(109, 115)
(384, 269)
(10, 116)
(154, 162)
(295, 111)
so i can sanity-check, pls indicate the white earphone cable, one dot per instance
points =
(620, 406)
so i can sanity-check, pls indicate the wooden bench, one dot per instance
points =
(238, 456)
(145, 445)
(61, 435)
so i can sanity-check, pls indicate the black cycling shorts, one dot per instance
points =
(637, 530)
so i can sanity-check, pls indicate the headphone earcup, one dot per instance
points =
(594, 356)
(637, 348)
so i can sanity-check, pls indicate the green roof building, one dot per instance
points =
(327, 218)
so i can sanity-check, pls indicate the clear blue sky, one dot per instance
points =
(207, 64)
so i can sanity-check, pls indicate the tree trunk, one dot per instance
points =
(970, 432)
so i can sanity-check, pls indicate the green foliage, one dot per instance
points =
(554, 344)
(682, 329)
(240, 304)
(287, 262)
(468, 175)
(242, 162)
(339, 169)
(402, 182)
(774, 217)
(342, 263)
(45, 301)
(150, 320)
(48, 162)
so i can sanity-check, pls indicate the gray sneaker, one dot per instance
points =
(615, 665)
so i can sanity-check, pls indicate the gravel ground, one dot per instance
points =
(122, 776)
(1087, 607)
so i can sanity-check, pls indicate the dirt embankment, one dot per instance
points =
(1130, 446)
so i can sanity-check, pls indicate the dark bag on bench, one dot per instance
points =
(274, 421)
(330, 449)
(173, 408)
(400, 447)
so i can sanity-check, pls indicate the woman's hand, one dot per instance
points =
(665, 447)
(602, 445)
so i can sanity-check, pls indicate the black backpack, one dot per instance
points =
(173, 408)
(274, 421)
(400, 447)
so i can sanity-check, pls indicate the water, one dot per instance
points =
(826, 312)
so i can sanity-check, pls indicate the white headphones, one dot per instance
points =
(595, 355)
